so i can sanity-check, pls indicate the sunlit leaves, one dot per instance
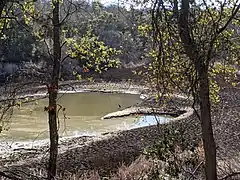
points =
(28, 9)
(144, 29)
(165, 73)
(92, 53)
(18, 104)
(170, 70)
(227, 73)
(79, 77)
(214, 92)
(4, 24)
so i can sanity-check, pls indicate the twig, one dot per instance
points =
(198, 166)
(230, 175)
(8, 176)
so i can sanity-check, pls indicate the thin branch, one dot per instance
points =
(4, 174)
(69, 12)
(48, 49)
(67, 56)
(230, 176)
(219, 31)
(198, 166)
(221, 12)
(229, 20)
(208, 10)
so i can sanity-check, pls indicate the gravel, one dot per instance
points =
(106, 152)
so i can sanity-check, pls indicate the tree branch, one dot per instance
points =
(3, 174)
(234, 13)
(230, 175)
(184, 32)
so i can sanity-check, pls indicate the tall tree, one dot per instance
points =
(48, 27)
(201, 59)
(201, 64)
(190, 38)
(53, 91)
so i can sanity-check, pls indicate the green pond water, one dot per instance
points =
(83, 112)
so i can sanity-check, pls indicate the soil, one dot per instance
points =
(107, 152)
(104, 153)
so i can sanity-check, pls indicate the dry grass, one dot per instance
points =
(226, 127)
(137, 170)
(150, 168)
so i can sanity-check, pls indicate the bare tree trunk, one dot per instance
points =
(207, 131)
(201, 67)
(53, 91)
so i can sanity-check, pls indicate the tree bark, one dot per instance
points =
(201, 65)
(206, 124)
(53, 92)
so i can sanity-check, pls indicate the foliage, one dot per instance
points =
(176, 154)
(92, 53)
(203, 34)
(171, 70)
(18, 45)
(116, 27)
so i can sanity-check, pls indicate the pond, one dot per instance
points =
(83, 116)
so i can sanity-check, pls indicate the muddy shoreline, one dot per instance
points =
(102, 152)
(105, 153)
(31, 94)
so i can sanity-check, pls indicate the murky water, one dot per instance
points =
(83, 116)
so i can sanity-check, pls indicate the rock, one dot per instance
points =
(142, 110)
